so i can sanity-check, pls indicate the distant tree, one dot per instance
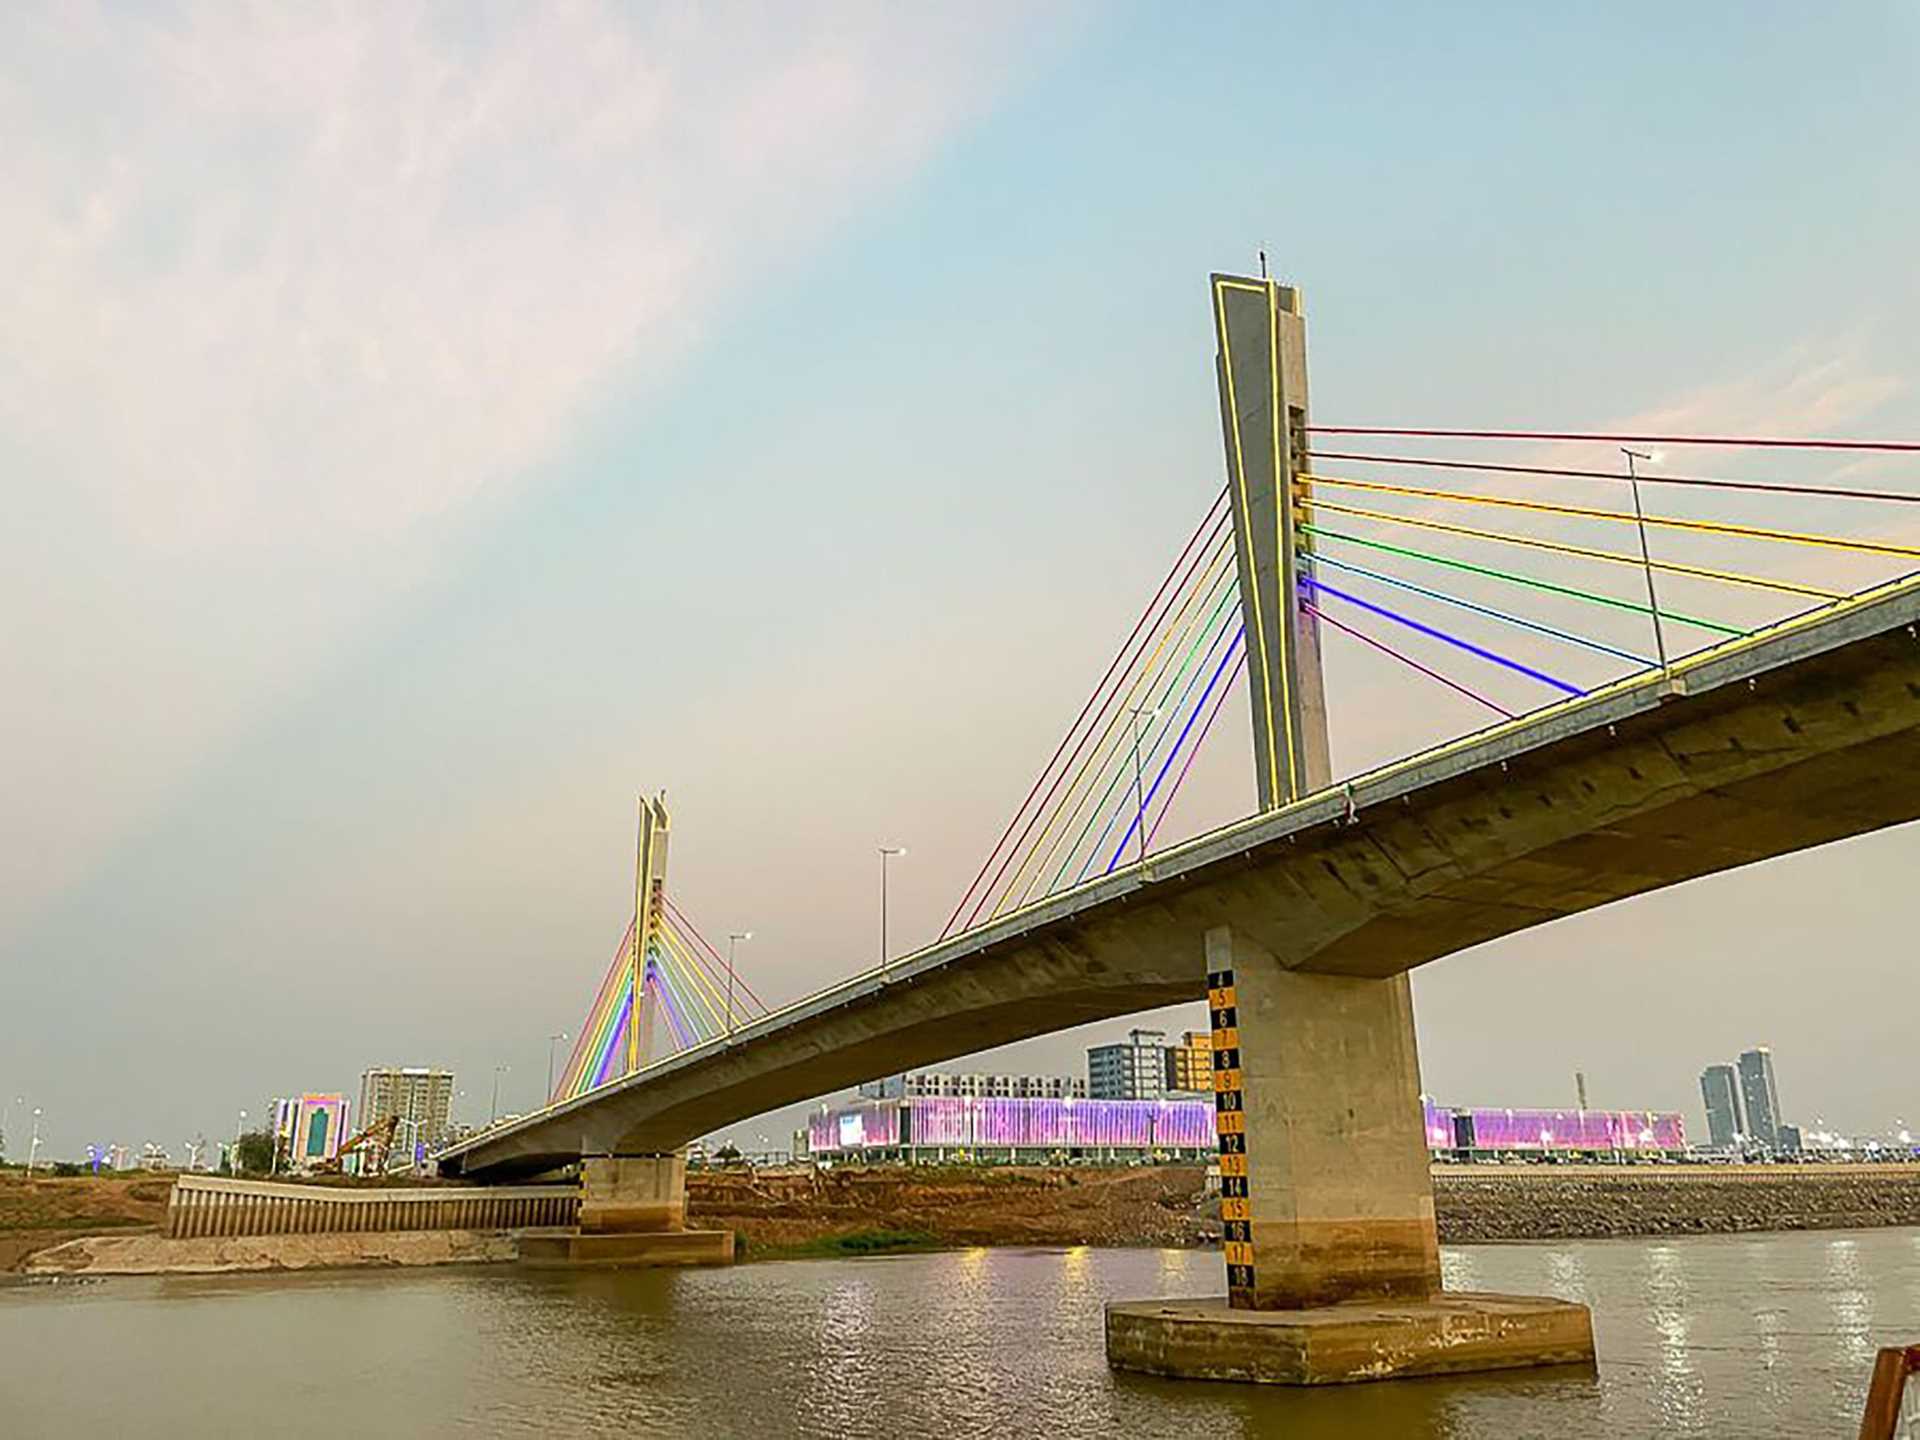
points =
(255, 1150)
(726, 1154)
(65, 1169)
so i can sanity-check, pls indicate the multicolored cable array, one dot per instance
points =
(1505, 618)
(689, 995)
(1123, 760)
(1626, 586)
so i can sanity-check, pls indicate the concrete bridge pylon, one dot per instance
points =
(1327, 1217)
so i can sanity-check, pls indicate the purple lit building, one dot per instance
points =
(940, 1127)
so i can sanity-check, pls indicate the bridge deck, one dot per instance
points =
(1805, 733)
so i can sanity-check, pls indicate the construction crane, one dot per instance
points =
(376, 1140)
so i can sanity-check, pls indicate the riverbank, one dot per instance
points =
(1589, 1202)
(859, 1210)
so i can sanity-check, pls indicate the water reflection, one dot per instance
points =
(1702, 1337)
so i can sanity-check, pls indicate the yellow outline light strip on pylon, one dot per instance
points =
(1246, 521)
(1282, 498)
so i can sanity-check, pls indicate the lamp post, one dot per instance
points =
(34, 1148)
(552, 1040)
(1148, 712)
(493, 1112)
(239, 1129)
(1646, 558)
(887, 852)
(733, 939)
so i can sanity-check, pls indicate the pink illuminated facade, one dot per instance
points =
(939, 1127)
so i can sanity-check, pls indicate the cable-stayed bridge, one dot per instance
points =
(1651, 674)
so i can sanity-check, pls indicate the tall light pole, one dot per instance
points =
(887, 852)
(34, 1148)
(733, 939)
(1148, 712)
(239, 1129)
(552, 1040)
(493, 1113)
(1646, 558)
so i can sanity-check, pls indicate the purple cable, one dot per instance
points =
(1320, 614)
(1453, 640)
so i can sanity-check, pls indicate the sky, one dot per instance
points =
(424, 428)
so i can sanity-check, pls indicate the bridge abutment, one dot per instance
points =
(1326, 1202)
(633, 1194)
(633, 1212)
(1334, 1197)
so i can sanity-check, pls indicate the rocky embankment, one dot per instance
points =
(1562, 1202)
(853, 1208)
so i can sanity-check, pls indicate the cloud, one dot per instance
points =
(287, 288)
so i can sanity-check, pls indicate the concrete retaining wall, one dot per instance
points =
(202, 1205)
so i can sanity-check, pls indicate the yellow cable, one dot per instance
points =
(1108, 745)
(700, 987)
(1095, 763)
(709, 970)
(1752, 532)
(1672, 567)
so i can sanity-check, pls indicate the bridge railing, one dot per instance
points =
(211, 1205)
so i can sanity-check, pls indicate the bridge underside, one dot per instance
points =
(1792, 742)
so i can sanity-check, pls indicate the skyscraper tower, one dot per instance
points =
(1760, 1096)
(1720, 1088)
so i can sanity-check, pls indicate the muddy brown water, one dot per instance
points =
(1719, 1335)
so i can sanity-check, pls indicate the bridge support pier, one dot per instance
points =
(1333, 1259)
(633, 1212)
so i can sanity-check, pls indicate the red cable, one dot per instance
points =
(1112, 696)
(1829, 491)
(1903, 446)
(1179, 779)
(1120, 654)
(1313, 610)
(739, 979)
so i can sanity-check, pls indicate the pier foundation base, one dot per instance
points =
(1445, 1334)
(570, 1249)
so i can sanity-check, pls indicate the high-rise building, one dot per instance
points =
(420, 1098)
(1135, 1070)
(1720, 1088)
(312, 1127)
(1190, 1063)
(1759, 1096)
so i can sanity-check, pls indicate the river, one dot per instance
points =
(1736, 1335)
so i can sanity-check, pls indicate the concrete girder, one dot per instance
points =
(1788, 741)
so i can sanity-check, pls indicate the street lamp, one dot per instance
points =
(1646, 558)
(552, 1040)
(34, 1148)
(887, 852)
(239, 1129)
(493, 1113)
(1149, 713)
(733, 939)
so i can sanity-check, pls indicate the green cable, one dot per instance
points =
(1211, 628)
(1524, 580)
